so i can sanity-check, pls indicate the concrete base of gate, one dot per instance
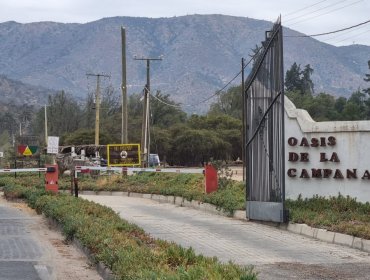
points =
(265, 211)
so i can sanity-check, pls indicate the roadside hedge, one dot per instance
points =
(229, 197)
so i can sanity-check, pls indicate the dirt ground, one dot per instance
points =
(64, 261)
(237, 173)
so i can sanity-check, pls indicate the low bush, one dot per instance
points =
(341, 214)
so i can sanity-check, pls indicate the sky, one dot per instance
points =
(306, 16)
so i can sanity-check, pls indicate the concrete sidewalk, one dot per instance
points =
(20, 254)
(30, 250)
(276, 253)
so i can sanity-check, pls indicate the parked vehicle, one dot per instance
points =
(154, 160)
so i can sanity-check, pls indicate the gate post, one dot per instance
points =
(211, 180)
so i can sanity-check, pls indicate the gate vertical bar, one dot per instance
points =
(281, 54)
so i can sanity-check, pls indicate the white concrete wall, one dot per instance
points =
(352, 148)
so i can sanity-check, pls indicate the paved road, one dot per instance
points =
(30, 250)
(275, 253)
(19, 253)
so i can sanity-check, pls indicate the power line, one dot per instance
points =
(344, 33)
(216, 93)
(327, 12)
(352, 36)
(219, 91)
(318, 10)
(304, 8)
(168, 104)
(331, 32)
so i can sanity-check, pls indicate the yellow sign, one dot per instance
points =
(123, 154)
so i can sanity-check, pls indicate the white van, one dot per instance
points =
(154, 160)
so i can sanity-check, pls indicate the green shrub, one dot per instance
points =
(341, 213)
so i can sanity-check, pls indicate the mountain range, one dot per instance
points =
(201, 53)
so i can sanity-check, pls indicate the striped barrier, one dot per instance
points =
(211, 180)
(86, 169)
(18, 170)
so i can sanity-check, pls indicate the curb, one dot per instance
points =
(100, 267)
(301, 229)
(329, 236)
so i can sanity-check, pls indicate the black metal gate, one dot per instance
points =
(264, 133)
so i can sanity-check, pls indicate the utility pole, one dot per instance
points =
(243, 118)
(145, 132)
(97, 103)
(46, 126)
(124, 136)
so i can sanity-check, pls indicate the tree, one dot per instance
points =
(161, 142)
(63, 114)
(5, 147)
(340, 103)
(13, 117)
(214, 122)
(254, 54)
(164, 111)
(89, 112)
(135, 113)
(300, 81)
(227, 128)
(356, 107)
(4, 138)
(110, 113)
(293, 78)
(85, 137)
(8, 123)
(325, 107)
(306, 81)
(322, 107)
(230, 103)
(194, 147)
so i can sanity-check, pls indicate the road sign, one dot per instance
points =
(123, 154)
(53, 145)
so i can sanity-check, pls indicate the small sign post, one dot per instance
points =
(53, 145)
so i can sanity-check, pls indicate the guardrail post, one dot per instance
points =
(75, 180)
(211, 180)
